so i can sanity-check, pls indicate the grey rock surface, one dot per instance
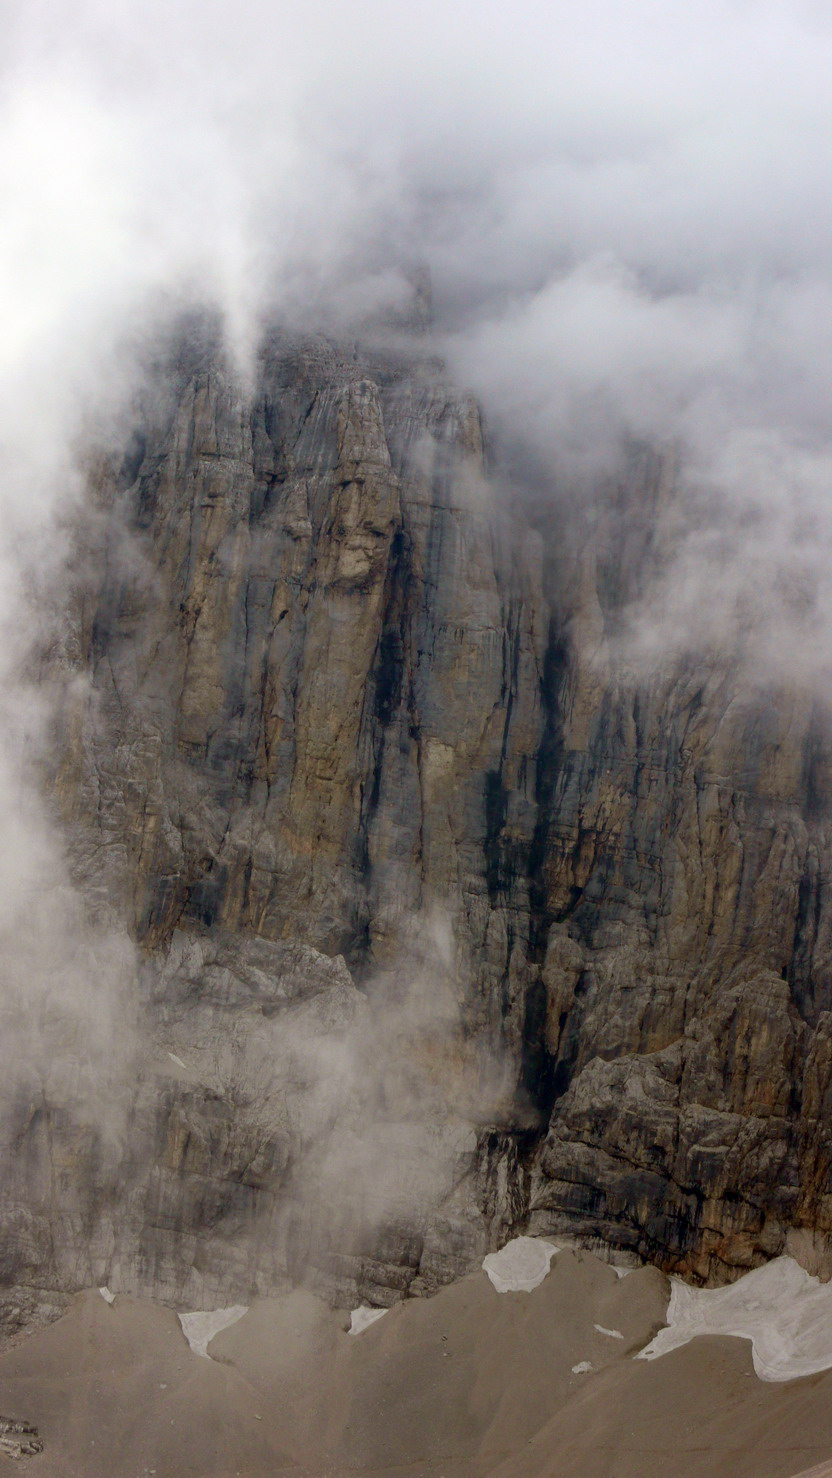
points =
(452, 923)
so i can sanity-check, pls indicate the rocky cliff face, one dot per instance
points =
(360, 766)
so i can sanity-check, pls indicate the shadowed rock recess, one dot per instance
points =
(358, 765)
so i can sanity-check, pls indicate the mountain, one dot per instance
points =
(451, 920)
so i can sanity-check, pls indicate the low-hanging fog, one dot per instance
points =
(624, 209)
(626, 216)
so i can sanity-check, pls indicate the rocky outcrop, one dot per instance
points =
(360, 761)
(685, 1003)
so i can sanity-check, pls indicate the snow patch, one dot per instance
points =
(199, 1329)
(610, 1333)
(582, 1368)
(786, 1313)
(520, 1265)
(107, 1296)
(362, 1317)
(178, 1060)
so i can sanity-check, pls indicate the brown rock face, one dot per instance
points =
(346, 699)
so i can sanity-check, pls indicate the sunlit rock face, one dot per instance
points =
(346, 696)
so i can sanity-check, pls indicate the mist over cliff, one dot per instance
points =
(416, 621)
(623, 212)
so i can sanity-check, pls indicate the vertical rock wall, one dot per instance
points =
(345, 697)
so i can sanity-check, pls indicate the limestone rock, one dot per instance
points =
(360, 758)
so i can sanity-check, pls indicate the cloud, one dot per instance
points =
(624, 208)
(259, 151)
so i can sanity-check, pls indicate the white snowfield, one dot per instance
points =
(521, 1265)
(786, 1313)
(362, 1317)
(199, 1329)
